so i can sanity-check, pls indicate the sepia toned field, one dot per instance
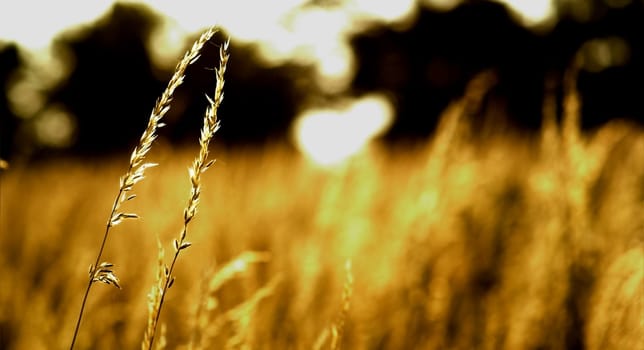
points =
(466, 242)
(475, 240)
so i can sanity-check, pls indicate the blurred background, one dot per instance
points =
(80, 78)
(436, 145)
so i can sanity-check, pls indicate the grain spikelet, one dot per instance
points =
(199, 166)
(137, 167)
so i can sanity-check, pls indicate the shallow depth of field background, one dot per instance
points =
(483, 197)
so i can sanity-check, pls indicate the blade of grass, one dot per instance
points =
(137, 167)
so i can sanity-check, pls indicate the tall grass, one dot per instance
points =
(200, 164)
(507, 242)
(103, 271)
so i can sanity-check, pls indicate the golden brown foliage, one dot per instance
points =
(463, 243)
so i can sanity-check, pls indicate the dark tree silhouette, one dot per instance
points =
(9, 61)
(112, 86)
(427, 66)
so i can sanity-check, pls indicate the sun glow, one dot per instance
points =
(290, 30)
(282, 31)
(532, 12)
(33, 23)
(331, 136)
(314, 35)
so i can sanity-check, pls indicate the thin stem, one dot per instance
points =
(98, 259)
(80, 315)
(166, 285)
(199, 166)
(136, 169)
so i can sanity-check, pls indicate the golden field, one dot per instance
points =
(499, 242)
(475, 240)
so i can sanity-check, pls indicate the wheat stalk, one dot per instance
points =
(240, 317)
(205, 328)
(102, 271)
(336, 330)
(199, 166)
(154, 296)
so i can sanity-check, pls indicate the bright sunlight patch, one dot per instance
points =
(330, 136)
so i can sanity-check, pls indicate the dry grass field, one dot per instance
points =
(467, 242)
